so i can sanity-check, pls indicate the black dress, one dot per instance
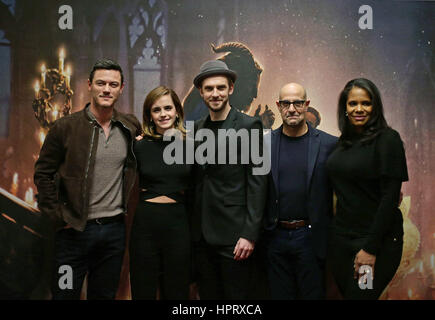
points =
(367, 179)
(160, 238)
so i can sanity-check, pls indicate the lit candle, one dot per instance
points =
(36, 87)
(61, 60)
(421, 267)
(68, 76)
(55, 112)
(29, 196)
(41, 136)
(43, 72)
(14, 187)
(410, 294)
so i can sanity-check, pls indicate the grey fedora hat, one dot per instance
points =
(213, 68)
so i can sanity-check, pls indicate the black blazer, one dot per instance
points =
(319, 189)
(229, 199)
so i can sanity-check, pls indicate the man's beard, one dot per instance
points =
(222, 106)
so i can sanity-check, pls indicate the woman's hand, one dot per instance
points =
(363, 258)
(138, 138)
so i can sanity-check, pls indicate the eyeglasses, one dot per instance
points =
(298, 104)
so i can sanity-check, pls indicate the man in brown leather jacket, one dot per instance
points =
(84, 175)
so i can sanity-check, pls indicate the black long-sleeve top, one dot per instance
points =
(367, 180)
(156, 176)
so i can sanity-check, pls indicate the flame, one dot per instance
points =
(55, 114)
(29, 197)
(14, 186)
(43, 68)
(15, 178)
(62, 53)
(41, 136)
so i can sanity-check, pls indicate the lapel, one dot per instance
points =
(229, 123)
(276, 141)
(313, 152)
(200, 123)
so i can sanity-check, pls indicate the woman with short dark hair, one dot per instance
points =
(367, 169)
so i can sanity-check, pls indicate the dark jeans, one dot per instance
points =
(160, 247)
(98, 251)
(294, 271)
(220, 277)
(342, 251)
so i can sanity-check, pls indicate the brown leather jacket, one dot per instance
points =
(65, 165)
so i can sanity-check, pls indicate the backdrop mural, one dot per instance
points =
(47, 49)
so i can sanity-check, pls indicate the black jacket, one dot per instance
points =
(319, 192)
(65, 165)
(229, 199)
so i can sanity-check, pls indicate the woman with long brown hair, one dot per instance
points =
(160, 238)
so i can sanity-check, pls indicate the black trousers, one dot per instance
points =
(160, 251)
(97, 251)
(294, 270)
(220, 277)
(341, 254)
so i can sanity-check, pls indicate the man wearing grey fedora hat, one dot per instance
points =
(229, 198)
(213, 68)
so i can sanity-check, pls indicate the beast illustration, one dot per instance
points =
(239, 58)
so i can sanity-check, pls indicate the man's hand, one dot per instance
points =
(67, 227)
(363, 258)
(139, 138)
(243, 249)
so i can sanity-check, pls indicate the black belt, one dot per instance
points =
(294, 224)
(106, 220)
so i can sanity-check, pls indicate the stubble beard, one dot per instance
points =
(220, 108)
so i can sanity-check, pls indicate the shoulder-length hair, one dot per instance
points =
(148, 126)
(376, 122)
